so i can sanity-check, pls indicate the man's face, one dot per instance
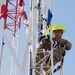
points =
(58, 33)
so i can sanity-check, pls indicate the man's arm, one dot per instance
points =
(67, 45)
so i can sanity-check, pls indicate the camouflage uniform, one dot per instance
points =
(56, 53)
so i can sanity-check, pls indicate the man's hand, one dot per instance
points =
(60, 40)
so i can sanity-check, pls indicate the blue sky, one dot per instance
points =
(64, 13)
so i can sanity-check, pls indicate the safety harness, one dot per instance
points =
(60, 66)
(62, 55)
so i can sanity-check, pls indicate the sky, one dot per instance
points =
(64, 13)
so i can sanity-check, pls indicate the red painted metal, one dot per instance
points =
(12, 12)
(21, 2)
(4, 11)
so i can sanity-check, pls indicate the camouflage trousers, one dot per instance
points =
(45, 58)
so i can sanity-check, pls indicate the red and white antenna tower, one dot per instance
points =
(11, 11)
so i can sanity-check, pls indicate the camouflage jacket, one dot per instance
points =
(66, 44)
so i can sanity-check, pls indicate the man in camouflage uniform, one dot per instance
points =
(62, 44)
(59, 44)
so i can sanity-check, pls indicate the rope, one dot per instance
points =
(61, 57)
(55, 70)
(60, 62)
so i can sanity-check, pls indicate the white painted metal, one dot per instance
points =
(11, 50)
(1, 53)
(10, 63)
(30, 41)
(45, 5)
(51, 44)
(26, 53)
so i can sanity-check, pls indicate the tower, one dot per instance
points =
(12, 26)
(11, 12)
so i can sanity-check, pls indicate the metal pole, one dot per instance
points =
(30, 67)
(30, 72)
(52, 63)
(1, 54)
(39, 19)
